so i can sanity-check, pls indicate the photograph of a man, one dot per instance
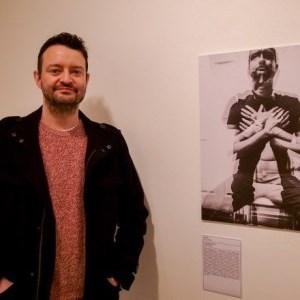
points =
(266, 123)
(266, 134)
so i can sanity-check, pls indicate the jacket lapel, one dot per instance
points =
(29, 157)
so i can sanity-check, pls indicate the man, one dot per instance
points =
(266, 125)
(72, 212)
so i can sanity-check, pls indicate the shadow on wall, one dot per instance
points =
(145, 286)
(96, 110)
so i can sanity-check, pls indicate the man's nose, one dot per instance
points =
(65, 77)
(261, 57)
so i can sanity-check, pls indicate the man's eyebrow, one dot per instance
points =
(53, 65)
(269, 51)
(60, 66)
(254, 52)
(77, 67)
(263, 52)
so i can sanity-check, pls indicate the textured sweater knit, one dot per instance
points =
(63, 156)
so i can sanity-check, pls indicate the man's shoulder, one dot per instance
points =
(104, 127)
(8, 121)
(286, 96)
(108, 128)
(241, 98)
(104, 131)
(7, 127)
(98, 126)
(234, 104)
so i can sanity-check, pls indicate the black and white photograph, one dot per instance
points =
(250, 137)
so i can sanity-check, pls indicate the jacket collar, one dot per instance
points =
(99, 134)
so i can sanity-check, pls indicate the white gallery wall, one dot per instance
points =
(144, 79)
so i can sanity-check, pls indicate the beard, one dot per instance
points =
(262, 84)
(257, 75)
(262, 80)
(62, 103)
(262, 71)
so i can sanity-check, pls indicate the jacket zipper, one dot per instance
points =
(40, 257)
(85, 212)
(88, 160)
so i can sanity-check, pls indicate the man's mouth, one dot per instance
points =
(65, 90)
(261, 69)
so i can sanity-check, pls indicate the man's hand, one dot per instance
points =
(279, 118)
(4, 284)
(260, 116)
(285, 119)
(274, 117)
(113, 281)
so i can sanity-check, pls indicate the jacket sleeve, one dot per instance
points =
(8, 265)
(129, 238)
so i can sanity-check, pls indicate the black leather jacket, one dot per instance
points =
(113, 200)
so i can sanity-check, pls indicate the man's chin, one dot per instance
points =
(263, 90)
(63, 106)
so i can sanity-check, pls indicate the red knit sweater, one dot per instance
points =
(63, 156)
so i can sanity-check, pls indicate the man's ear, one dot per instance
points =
(37, 78)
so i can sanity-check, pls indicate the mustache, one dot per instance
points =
(256, 75)
(65, 86)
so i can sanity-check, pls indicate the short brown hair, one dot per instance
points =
(66, 39)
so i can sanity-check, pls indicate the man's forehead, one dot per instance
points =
(267, 52)
(60, 54)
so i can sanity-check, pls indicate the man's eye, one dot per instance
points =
(54, 71)
(268, 55)
(255, 55)
(77, 72)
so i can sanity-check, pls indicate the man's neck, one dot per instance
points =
(262, 95)
(60, 120)
(263, 87)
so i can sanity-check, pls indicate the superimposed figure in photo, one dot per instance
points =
(266, 125)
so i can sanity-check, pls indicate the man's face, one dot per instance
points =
(262, 64)
(63, 78)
